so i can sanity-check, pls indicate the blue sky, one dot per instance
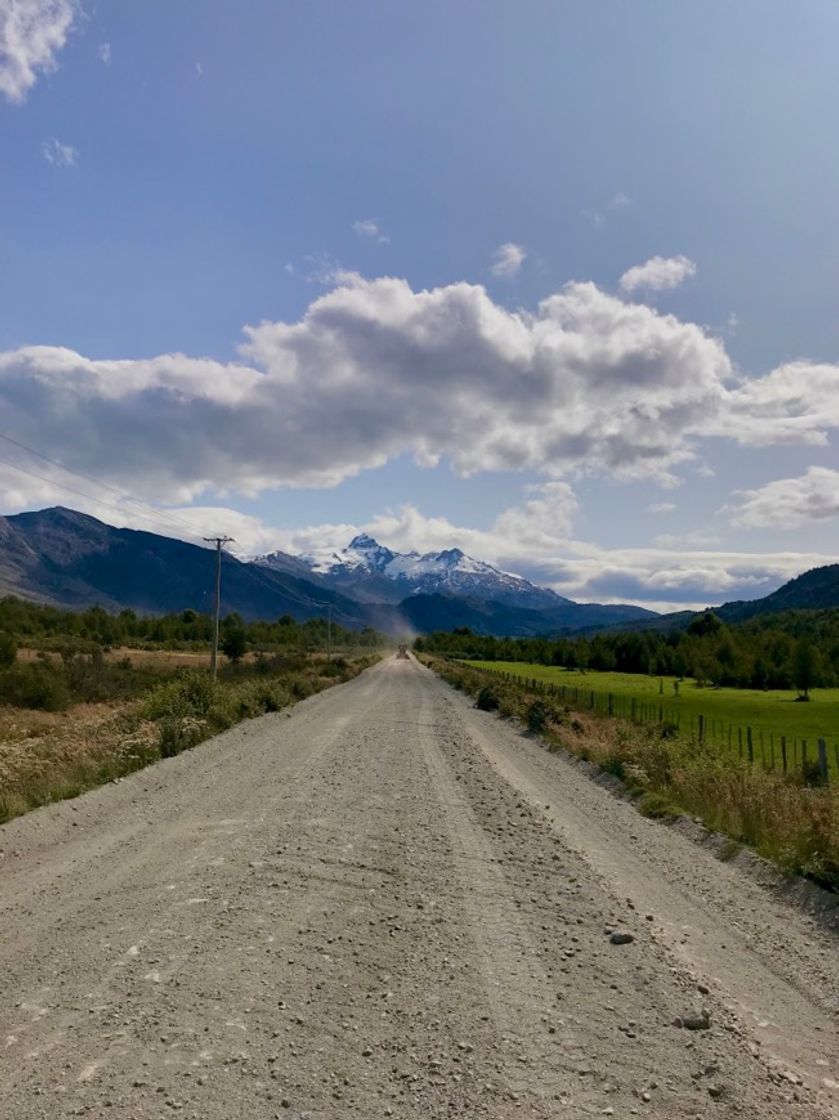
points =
(552, 281)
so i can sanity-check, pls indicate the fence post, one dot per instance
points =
(611, 702)
(784, 752)
(701, 728)
(823, 761)
(740, 741)
(804, 757)
(750, 745)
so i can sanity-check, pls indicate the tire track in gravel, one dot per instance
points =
(344, 911)
(769, 965)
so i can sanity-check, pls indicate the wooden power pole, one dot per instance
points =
(218, 542)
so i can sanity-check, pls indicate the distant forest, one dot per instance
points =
(795, 649)
(44, 627)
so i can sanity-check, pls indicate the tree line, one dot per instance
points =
(796, 649)
(40, 626)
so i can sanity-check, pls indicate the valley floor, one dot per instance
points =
(386, 903)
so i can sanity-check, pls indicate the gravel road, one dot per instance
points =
(386, 903)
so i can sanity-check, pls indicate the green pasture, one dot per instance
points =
(769, 714)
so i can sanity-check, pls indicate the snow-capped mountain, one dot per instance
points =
(367, 567)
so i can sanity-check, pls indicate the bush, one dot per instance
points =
(8, 651)
(178, 735)
(538, 716)
(487, 699)
(39, 686)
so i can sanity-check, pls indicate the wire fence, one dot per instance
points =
(815, 759)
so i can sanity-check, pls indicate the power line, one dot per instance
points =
(154, 515)
(173, 518)
(295, 599)
(78, 493)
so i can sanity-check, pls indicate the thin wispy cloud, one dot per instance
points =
(58, 154)
(658, 274)
(788, 503)
(596, 215)
(103, 52)
(507, 260)
(199, 69)
(661, 507)
(369, 228)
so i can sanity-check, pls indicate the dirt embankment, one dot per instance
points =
(385, 903)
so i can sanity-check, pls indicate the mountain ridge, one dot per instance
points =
(71, 560)
(364, 561)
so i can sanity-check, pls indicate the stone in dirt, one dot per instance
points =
(620, 938)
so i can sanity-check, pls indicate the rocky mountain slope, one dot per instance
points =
(68, 559)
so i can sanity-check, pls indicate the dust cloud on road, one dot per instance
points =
(385, 903)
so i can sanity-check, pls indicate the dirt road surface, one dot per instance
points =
(386, 903)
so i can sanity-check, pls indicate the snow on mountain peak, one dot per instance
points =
(448, 572)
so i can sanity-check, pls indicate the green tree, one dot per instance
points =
(234, 644)
(805, 667)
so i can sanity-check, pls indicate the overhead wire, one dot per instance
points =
(159, 514)
(154, 515)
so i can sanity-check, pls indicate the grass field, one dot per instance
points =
(769, 714)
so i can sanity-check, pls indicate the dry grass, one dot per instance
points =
(47, 756)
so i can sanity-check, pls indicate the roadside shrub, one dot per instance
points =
(8, 651)
(179, 734)
(657, 807)
(487, 699)
(538, 715)
(811, 773)
(38, 686)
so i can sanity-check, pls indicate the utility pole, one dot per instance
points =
(329, 632)
(218, 542)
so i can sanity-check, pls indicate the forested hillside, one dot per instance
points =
(787, 650)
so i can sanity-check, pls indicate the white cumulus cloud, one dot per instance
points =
(32, 32)
(507, 260)
(374, 371)
(58, 154)
(658, 274)
(787, 503)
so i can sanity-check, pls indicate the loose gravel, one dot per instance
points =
(386, 903)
